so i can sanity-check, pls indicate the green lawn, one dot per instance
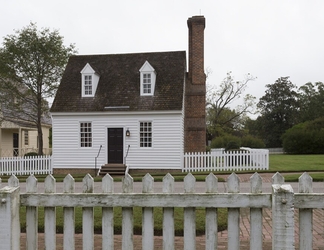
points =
(288, 165)
(296, 163)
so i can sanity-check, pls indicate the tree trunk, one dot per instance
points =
(40, 139)
(39, 124)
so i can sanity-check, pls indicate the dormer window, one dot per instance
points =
(88, 85)
(148, 77)
(90, 81)
(147, 86)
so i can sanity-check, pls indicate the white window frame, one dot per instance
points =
(89, 81)
(147, 83)
(147, 70)
(88, 85)
(85, 134)
(146, 134)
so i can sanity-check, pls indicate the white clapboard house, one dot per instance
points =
(143, 110)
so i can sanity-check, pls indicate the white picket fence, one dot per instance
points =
(26, 165)
(221, 160)
(283, 201)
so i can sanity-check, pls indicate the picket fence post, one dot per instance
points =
(107, 215)
(9, 216)
(233, 185)
(31, 216)
(87, 215)
(282, 217)
(127, 213)
(189, 214)
(68, 213)
(256, 214)
(211, 215)
(50, 215)
(147, 215)
(305, 214)
(168, 215)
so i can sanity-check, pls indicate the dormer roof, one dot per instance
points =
(119, 83)
(147, 79)
(90, 78)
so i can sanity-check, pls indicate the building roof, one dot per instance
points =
(20, 108)
(119, 83)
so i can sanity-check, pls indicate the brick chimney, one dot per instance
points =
(195, 89)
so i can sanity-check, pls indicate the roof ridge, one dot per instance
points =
(136, 53)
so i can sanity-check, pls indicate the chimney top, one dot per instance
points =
(196, 26)
(200, 20)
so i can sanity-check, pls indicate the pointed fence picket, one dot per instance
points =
(282, 201)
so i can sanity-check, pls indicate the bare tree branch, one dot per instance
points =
(221, 98)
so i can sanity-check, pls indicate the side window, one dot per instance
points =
(26, 138)
(85, 134)
(145, 134)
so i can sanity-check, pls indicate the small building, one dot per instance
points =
(19, 136)
(143, 109)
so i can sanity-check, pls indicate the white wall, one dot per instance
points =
(166, 153)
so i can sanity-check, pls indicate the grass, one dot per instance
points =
(296, 163)
(317, 177)
(292, 166)
(137, 212)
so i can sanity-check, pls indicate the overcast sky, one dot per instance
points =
(267, 39)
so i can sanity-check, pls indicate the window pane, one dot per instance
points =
(145, 134)
(147, 83)
(26, 137)
(85, 134)
(88, 85)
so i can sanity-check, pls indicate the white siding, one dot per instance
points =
(166, 153)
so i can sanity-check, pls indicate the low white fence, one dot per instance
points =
(276, 151)
(221, 160)
(26, 165)
(283, 201)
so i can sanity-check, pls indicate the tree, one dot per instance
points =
(220, 117)
(311, 99)
(279, 111)
(32, 62)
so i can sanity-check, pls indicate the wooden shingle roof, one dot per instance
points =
(119, 83)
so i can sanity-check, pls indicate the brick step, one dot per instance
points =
(112, 169)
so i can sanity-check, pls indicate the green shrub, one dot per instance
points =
(252, 142)
(234, 142)
(223, 141)
(232, 145)
(305, 138)
(217, 142)
(30, 154)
